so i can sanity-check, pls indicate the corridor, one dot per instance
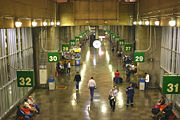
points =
(69, 104)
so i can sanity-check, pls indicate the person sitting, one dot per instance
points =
(27, 112)
(168, 111)
(19, 113)
(33, 104)
(26, 104)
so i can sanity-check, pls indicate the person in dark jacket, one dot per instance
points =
(65, 67)
(77, 78)
(130, 94)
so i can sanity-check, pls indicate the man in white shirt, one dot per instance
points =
(92, 86)
(112, 97)
(68, 67)
(147, 80)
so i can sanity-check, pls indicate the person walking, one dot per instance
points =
(130, 94)
(128, 74)
(112, 97)
(91, 86)
(146, 80)
(77, 78)
(65, 67)
(68, 67)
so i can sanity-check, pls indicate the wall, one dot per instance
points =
(147, 6)
(95, 13)
(148, 40)
(26, 10)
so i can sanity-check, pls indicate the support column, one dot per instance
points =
(51, 67)
(35, 36)
(97, 32)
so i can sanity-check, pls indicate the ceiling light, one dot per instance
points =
(34, 23)
(52, 23)
(147, 23)
(58, 23)
(44, 23)
(157, 23)
(172, 22)
(18, 24)
(134, 23)
(140, 22)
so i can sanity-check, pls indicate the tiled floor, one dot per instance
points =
(69, 104)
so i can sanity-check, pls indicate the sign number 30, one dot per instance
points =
(171, 87)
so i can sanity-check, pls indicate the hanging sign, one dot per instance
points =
(171, 84)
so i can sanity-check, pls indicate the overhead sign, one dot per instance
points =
(121, 42)
(72, 42)
(77, 38)
(65, 47)
(113, 35)
(116, 38)
(139, 57)
(25, 78)
(127, 47)
(171, 84)
(53, 56)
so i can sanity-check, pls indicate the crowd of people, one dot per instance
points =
(28, 110)
(163, 111)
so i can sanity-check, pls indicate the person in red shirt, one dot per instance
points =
(117, 74)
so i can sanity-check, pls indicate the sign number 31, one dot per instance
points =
(171, 87)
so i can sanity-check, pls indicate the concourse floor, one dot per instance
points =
(65, 103)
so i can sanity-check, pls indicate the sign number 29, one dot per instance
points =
(171, 87)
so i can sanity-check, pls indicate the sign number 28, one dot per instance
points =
(171, 87)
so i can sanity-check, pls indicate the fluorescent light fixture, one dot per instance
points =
(34, 24)
(44, 23)
(172, 22)
(156, 23)
(18, 24)
(140, 22)
(147, 23)
(134, 23)
(52, 23)
(58, 23)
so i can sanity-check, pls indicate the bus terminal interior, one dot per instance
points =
(130, 49)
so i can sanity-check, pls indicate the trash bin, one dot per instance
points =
(77, 62)
(51, 84)
(141, 84)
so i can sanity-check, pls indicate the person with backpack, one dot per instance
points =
(77, 78)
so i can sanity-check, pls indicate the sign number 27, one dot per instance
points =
(171, 87)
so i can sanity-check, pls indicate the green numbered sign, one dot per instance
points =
(65, 47)
(116, 38)
(128, 47)
(171, 84)
(81, 35)
(121, 42)
(72, 42)
(113, 35)
(77, 38)
(25, 78)
(139, 57)
(53, 56)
